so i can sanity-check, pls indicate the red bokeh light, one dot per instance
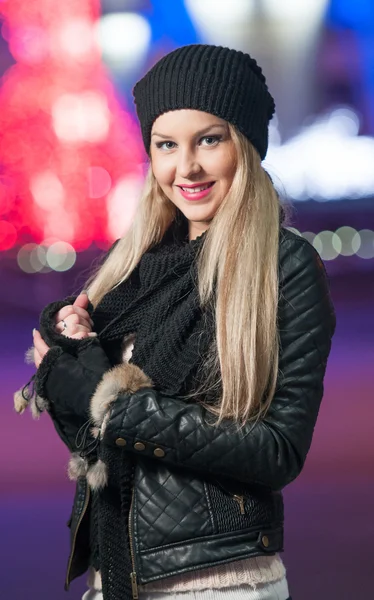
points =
(8, 235)
(60, 122)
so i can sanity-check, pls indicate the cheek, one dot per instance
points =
(230, 174)
(162, 171)
(222, 164)
(226, 172)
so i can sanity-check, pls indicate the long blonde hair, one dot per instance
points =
(237, 278)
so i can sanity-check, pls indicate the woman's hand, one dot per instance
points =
(40, 348)
(73, 321)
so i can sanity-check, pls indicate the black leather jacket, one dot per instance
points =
(207, 495)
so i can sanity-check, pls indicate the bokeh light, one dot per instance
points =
(99, 182)
(81, 117)
(76, 40)
(61, 256)
(8, 235)
(124, 39)
(31, 258)
(326, 161)
(345, 241)
(220, 12)
(366, 239)
(328, 244)
(47, 190)
(65, 138)
(350, 242)
(304, 13)
(122, 204)
(309, 235)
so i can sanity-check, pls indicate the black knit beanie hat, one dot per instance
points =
(224, 82)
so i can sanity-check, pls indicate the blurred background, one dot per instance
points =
(71, 169)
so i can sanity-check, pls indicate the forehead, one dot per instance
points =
(185, 121)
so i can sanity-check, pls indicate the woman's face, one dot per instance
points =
(193, 150)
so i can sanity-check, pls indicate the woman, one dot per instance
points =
(188, 388)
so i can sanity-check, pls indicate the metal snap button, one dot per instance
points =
(121, 442)
(159, 452)
(139, 446)
(265, 541)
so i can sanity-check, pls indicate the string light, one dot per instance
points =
(345, 241)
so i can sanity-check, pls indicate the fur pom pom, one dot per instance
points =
(20, 402)
(37, 406)
(34, 408)
(77, 467)
(95, 432)
(29, 356)
(36, 403)
(97, 475)
(124, 378)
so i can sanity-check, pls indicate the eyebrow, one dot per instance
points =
(198, 133)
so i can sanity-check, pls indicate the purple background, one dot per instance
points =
(329, 527)
(329, 523)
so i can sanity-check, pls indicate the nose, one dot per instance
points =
(188, 164)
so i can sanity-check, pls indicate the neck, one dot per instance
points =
(195, 231)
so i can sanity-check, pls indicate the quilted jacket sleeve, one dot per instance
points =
(272, 452)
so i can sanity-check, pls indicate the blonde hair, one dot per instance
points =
(237, 279)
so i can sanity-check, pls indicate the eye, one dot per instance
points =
(165, 145)
(211, 140)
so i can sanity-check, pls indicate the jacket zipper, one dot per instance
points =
(240, 501)
(85, 505)
(133, 576)
(237, 497)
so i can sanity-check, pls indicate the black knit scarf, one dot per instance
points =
(160, 304)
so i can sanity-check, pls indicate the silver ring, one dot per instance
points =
(64, 323)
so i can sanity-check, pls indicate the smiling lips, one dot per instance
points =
(196, 187)
(196, 191)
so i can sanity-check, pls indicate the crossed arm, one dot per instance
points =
(270, 453)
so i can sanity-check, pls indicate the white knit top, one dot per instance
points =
(249, 571)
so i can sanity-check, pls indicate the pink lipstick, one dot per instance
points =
(202, 190)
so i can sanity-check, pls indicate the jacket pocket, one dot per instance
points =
(235, 507)
(170, 506)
